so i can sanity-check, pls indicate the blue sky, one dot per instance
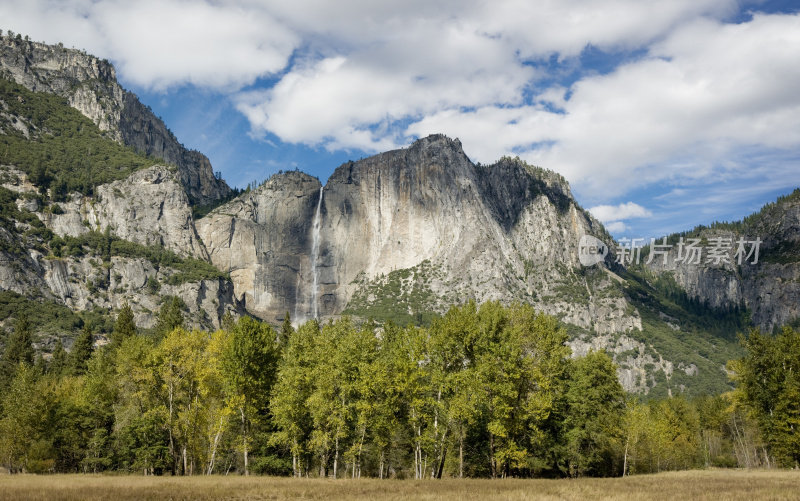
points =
(661, 114)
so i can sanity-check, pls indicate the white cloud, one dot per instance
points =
(534, 29)
(424, 68)
(628, 210)
(706, 93)
(163, 43)
(555, 26)
(417, 61)
(710, 89)
(371, 75)
(616, 227)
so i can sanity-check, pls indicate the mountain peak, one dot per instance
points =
(437, 141)
(90, 86)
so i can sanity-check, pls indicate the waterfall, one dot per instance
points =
(315, 257)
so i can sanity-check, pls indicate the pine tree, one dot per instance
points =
(23, 423)
(39, 364)
(768, 383)
(19, 350)
(170, 316)
(286, 331)
(58, 362)
(125, 326)
(595, 406)
(81, 351)
(249, 362)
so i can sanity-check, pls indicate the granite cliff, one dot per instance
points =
(446, 230)
(766, 284)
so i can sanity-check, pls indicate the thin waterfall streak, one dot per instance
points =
(315, 257)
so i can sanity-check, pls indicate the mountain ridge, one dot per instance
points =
(398, 236)
(90, 85)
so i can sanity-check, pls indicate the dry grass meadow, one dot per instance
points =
(717, 485)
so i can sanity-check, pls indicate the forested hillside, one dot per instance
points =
(59, 149)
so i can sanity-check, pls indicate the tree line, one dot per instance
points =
(484, 391)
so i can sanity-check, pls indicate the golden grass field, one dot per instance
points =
(717, 485)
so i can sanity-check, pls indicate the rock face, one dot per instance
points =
(83, 284)
(263, 238)
(149, 208)
(506, 232)
(90, 86)
(769, 288)
(145, 133)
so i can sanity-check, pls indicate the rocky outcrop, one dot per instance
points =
(263, 239)
(90, 86)
(145, 133)
(85, 284)
(149, 207)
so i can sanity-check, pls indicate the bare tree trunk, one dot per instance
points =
(461, 455)
(336, 458)
(745, 447)
(436, 430)
(214, 447)
(492, 460)
(171, 439)
(244, 443)
(625, 461)
(357, 462)
(420, 468)
(441, 463)
(323, 467)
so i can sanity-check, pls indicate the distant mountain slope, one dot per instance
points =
(768, 288)
(90, 86)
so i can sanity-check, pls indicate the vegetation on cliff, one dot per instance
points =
(56, 146)
(105, 245)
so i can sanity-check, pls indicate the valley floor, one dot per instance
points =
(718, 485)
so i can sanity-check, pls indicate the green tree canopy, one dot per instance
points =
(768, 383)
(18, 350)
(125, 326)
(81, 352)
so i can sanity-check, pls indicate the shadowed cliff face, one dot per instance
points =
(264, 239)
(507, 232)
(90, 86)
